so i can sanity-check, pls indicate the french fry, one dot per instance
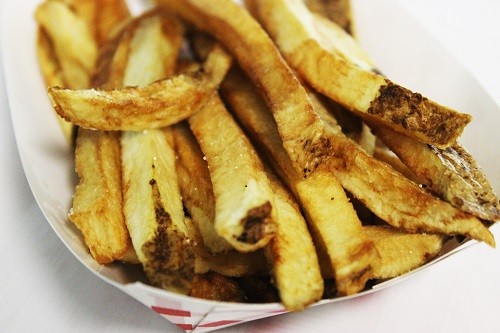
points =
(244, 214)
(402, 252)
(153, 209)
(52, 75)
(196, 188)
(339, 11)
(314, 48)
(104, 16)
(158, 104)
(217, 287)
(74, 45)
(153, 206)
(97, 202)
(336, 228)
(291, 253)
(452, 173)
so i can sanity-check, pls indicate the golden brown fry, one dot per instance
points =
(336, 228)
(103, 16)
(97, 203)
(291, 253)
(153, 209)
(315, 47)
(339, 11)
(452, 173)
(74, 45)
(401, 252)
(196, 187)
(244, 214)
(156, 105)
(52, 75)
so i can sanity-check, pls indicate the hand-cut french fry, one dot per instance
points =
(155, 105)
(244, 214)
(52, 75)
(74, 44)
(104, 16)
(339, 11)
(153, 209)
(291, 253)
(314, 48)
(97, 203)
(452, 173)
(335, 226)
(153, 206)
(196, 188)
(400, 251)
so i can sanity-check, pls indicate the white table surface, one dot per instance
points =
(44, 288)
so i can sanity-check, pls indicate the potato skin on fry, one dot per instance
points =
(401, 252)
(98, 198)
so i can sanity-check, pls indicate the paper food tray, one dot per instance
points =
(48, 162)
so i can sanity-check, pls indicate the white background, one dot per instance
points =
(44, 288)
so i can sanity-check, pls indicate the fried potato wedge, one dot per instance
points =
(196, 188)
(313, 46)
(291, 253)
(243, 198)
(104, 16)
(52, 75)
(75, 46)
(452, 173)
(336, 228)
(402, 252)
(158, 104)
(153, 209)
(339, 11)
(155, 105)
(97, 202)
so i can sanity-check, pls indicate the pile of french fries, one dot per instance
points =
(236, 151)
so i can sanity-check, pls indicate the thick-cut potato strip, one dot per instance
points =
(104, 16)
(291, 253)
(52, 75)
(196, 187)
(336, 228)
(314, 48)
(244, 214)
(153, 209)
(74, 44)
(402, 252)
(245, 39)
(156, 105)
(153, 206)
(216, 287)
(452, 173)
(339, 11)
(97, 203)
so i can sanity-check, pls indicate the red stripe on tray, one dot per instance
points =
(220, 323)
(171, 312)
(185, 327)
